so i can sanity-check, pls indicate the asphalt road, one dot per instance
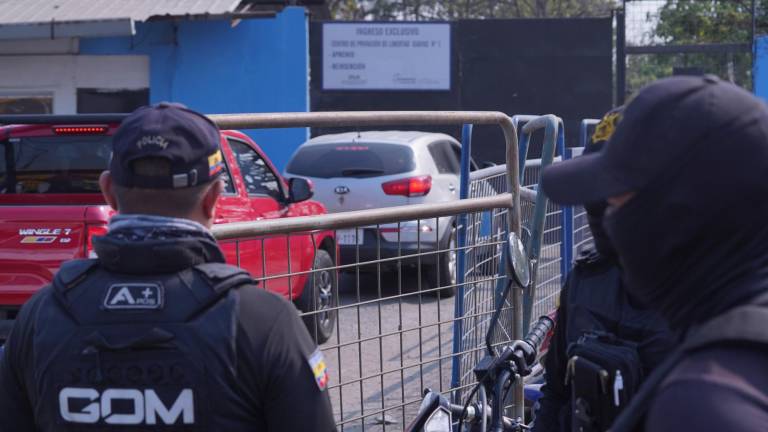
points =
(388, 343)
(407, 354)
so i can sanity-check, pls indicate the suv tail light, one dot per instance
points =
(92, 231)
(410, 187)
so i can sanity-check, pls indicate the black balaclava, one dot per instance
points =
(596, 211)
(595, 214)
(694, 242)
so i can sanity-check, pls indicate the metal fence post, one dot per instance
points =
(584, 131)
(560, 138)
(570, 218)
(553, 135)
(621, 56)
(466, 152)
(566, 252)
(523, 146)
(523, 143)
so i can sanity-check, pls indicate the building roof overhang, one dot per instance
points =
(53, 19)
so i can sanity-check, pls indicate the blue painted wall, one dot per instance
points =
(760, 71)
(260, 65)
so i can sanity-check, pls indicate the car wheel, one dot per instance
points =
(444, 273)
(319, 297)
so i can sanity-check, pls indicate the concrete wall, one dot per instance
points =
(259, 65)
(760, 72)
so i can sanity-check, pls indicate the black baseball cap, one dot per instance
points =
(666, 120)
(188, 140)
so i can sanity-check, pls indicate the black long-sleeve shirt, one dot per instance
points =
(593, 299)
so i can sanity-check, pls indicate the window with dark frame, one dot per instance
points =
(26, 104)
(94, 100)
(258, 177)
(226, 177)
(445, 158)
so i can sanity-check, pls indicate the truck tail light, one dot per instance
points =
(81, 130)
(410, 187)
(92, 231)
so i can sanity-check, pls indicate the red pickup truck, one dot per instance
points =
(51, 208)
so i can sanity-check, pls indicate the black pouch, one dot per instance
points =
(604, 373)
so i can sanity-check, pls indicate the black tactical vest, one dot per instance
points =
(127, 352)
(597, 303)
(597, 306)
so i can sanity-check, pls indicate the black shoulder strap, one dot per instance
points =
(219, 278)
(223, 277)
(72, 273)
(741, 324)
(587, 258)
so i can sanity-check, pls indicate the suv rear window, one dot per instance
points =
(352, 160)
(57, 164)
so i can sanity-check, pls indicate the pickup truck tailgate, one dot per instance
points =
(34, 241)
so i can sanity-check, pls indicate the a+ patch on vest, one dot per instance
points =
(134, 296)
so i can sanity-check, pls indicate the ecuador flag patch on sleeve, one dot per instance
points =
(319, 369)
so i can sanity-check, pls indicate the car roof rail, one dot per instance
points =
(61, 118)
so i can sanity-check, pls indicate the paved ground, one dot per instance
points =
(371, 373)
(409, 360)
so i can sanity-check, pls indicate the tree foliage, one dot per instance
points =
(694, 22)
(419, 10)
(705, 21)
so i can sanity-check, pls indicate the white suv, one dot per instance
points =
(355, 171)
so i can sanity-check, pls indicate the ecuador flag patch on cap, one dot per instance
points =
(215, 163)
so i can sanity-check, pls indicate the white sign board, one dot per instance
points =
(386, 56)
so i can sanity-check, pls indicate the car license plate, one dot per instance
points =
(348, 237)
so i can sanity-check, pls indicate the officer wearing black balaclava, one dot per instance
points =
(157, 332)
(686, 177)
(594, 300)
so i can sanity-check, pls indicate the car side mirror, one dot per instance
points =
(300, 189)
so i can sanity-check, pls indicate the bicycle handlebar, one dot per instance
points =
(539, 331)
(522, 354)
(528, 348)
(474, 411)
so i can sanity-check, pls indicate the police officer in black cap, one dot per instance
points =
(594, 302)
(686, 178)
(158, 333)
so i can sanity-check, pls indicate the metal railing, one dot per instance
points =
(483, 276)
(393, 330)
(550, 257)
(485, 233)
(394, 322)
(554, 142)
